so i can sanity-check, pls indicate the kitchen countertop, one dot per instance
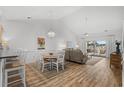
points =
(3, 55)
(7, 54)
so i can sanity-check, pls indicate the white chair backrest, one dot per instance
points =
(22, 56)
(60, 57)
(41, 58)
(61, 52)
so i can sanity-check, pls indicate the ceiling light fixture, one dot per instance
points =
(51, 34)
(86, 34)
(86, 19)
(29, 17)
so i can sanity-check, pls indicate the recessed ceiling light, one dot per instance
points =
(29, 17)
(105, 30)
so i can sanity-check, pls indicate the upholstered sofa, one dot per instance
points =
(75, 55)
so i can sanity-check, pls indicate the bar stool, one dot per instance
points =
(19, 52)
(15, 72)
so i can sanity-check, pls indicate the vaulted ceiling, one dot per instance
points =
(96, 19)
(36, 12)
(79, 19)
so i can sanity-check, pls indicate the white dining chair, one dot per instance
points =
(38, 59)
(44, 63)
(60, 61)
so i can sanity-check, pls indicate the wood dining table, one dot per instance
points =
(49, 56)
(4, 54)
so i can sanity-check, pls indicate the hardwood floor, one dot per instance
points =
(77, 75)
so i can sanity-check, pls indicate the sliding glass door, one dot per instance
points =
(96, 48)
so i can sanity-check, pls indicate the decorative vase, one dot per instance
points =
(117, 47)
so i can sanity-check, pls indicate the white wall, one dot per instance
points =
(23, 34)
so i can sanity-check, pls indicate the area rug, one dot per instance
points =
(93, 60)
(48, 73)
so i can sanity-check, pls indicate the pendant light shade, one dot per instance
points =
(51, 34)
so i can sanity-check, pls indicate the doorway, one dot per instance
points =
(97, 48)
